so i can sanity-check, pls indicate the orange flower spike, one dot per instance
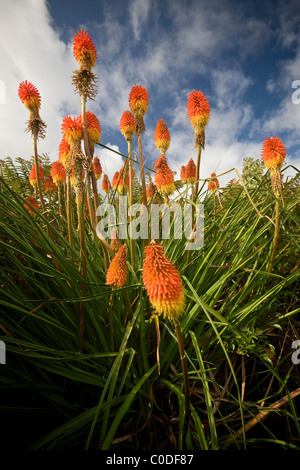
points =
(106, 186)
(33, 176)
(198, 110)
(163, 284)
(84, 50)
(190, 171)
(49, 185)
(63, 151)
(182, 174)
(92, 126)
(162, 136)
(151, 191)
(122, 181)
(115, 180)
(127, 125)
(164, 178)
(29, 95)
(214, 183)
(115, 241)
(72, 129)
(273, 152)
(97, 168)
(117, 272)
(138, 100)
(58, 173)
(33, 202)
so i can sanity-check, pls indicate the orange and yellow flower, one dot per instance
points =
(124, 180)
(63, 151)
(115, 180)
(58, 173)
(151, 191)
(127, 125)
(84, 50)
(182, 174)
(198, 110)
(138, 100)
(106, 186)
(190, 171)
(33, 176)
(29, 95)
(49, 185)
(32, 201)
(273, 152)
(117, 272)
(163, 284)
(164, 178)
(213, 183)
(97, 168)
(92, 126)
(72, 129)
(162, 136)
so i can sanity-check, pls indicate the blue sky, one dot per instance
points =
(244, 56)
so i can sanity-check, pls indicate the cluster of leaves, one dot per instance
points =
(237, 329)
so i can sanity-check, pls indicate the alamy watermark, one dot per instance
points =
(133, 222)
(296, 94)
(296, 354)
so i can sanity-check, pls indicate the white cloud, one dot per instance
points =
(138, 12)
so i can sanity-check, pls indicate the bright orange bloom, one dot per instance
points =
(92, 126)
(182, 174)
(124, 182)
(63, 151)
(115, 181)
(33, 176)
(106, 186)
(164, 178)
(97, 168)
(73, 176)
(273, 152)
(33, 202)
(127, 125)
(163, 284)
(72, 129)
(190, 171)
(49, 185)
(84, 50)
(214, 183)
(198, 110)
(117, 272)
(58, 173)
(162, 136)
(138, 99)
(150, 191)
(29, 95)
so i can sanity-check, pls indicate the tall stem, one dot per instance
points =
(276, 236)
(69, 210)
(82, 257)
(197, 170)
(130, 204)
(38, 181)
(144, 189)
(186, 388)
(59, 198)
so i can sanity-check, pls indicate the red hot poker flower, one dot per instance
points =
(162, 136)
(33, 202)
(127, 125)
(29, 95)
(190, 171)
(33, 176)
(164, 178)
(151, 191)
(97, 168)
(106, 186)
(273, 152)
(58, 173)
(182, 174)
(115, 181)
(214, 183)
(92, 126)
(49, 185)
(84, 50)
(138, 99)
(163, 284)
(198, 110)
(117, 272)
(72, 129)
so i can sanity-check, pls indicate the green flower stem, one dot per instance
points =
(186, 388)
